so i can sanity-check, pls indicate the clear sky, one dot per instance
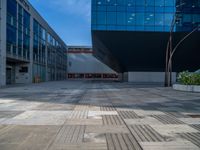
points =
(71, 19)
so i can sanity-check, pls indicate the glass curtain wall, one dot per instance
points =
(39, 46)
(142, 15)
(18, 31)
(11, 30)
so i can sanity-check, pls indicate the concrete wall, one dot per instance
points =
(158, 77)
(86, 63)
(3, 42)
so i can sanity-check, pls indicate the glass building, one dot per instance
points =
(145, 15)
(132, 35)
(31, 51)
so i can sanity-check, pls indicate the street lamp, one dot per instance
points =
(168, 69)
(170, 51)
(174, 50)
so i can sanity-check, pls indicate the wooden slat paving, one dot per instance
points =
(128, 115)
(112, 120)
(165, 119)
(122, 142)
(70, 134)
(144, 133)
(192, 137)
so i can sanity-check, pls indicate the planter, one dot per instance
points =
(187, 88)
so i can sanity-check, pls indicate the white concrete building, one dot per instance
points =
(30, 50)
(83, 65)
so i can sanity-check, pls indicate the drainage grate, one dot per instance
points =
(112, 120)
(192, 137)
(144, 133)
(128, 115)
(165, 119)
(122, 142)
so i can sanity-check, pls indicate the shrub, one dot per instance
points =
(188, 78)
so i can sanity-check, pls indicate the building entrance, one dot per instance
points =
(10, 75)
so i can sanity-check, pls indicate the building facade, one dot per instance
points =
(83, 65)
(131, 36)
(30, 49)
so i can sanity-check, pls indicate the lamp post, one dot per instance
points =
(175, 48)
(168, 69)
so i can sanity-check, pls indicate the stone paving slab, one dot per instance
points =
(170, 130)
(94, 115)
(177, 145)
(190, 120)
(39, 118)
(84, 122)
(106, 129)
(140, 121)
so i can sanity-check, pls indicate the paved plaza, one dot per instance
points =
(86, 115)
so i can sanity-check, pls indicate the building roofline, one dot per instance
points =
(48, 26)
(79, 46)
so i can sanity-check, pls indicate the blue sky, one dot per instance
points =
(69, 18)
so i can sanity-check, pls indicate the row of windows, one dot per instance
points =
(160, 3)
(134, 9)
(39, 43)
(142, 28)
(120, 18)
(18, 36)
(134, 2)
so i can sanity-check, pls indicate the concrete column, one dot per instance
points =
(31, 51)
(3, 43)
(46, 57)
(125, 77)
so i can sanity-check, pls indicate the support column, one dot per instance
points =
(31, 51)
(3, 42)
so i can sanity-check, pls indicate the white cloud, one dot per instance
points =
(75, 7)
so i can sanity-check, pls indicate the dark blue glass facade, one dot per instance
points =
(18, 30)
(11, 30)
(145, 15)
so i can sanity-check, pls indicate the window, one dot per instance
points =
(160, 3)
(149, 19)
(150, 2)
(121, 18)
(140, 2)
(101, 18)
(111, 18)
(23, 70)
(159, 19)
(169, 3)
(139, 18)
(168, 19)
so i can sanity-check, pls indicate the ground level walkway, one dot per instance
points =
(75, 115)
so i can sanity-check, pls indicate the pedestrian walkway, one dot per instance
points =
(85, 115)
